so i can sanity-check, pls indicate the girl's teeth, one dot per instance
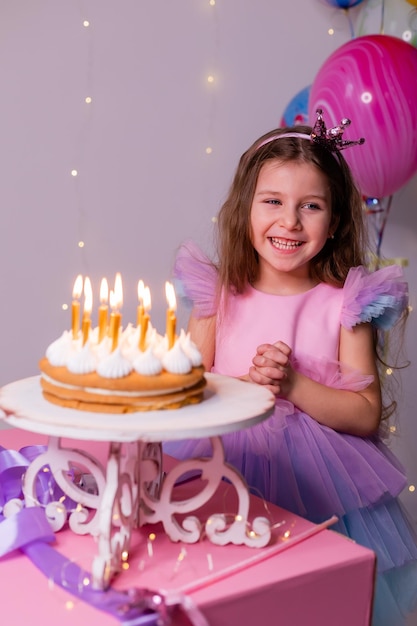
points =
(285, 245)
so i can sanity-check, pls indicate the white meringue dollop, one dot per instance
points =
(93, 356)
(115, 365)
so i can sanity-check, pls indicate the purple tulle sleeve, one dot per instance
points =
(196, 279)
(378, 297)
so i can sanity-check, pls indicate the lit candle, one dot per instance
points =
(145, 317)
(88, 307)
(116, 302)
(76, 294)
(171, 318)
(141, 310)
(103, 310)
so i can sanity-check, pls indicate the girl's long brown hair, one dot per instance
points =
(238, 262)
(237, 259)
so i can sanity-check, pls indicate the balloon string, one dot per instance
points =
(352, 32)
(381, 230)
(381, 28)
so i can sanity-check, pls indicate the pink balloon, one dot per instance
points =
(372, 80)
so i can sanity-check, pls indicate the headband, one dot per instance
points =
(331, 138)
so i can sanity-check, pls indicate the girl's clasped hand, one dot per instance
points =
(272, 368)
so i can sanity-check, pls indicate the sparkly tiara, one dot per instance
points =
(331, 138)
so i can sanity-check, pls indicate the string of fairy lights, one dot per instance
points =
(75, 171)
(212, 85)
(408, 34)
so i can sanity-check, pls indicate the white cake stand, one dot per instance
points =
(133, 489)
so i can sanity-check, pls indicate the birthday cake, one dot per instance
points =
(95, 377)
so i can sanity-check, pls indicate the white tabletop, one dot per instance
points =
(229, 405)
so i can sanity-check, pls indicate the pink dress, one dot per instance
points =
(290, 459)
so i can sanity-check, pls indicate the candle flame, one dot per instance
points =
(118, 292)
(104, 291)
(170, 295)
(88, 296)
(146, 298)
(78, 287)
(141, 288)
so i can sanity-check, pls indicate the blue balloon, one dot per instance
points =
(343, 4)
(296, 112)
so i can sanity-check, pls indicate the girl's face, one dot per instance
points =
(290, 222)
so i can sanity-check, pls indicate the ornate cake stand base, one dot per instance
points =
(132, 491)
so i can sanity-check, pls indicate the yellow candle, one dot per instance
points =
(75, 308)
(103, 310)
(115, 319)
(88, 307)
(141, 310)
(145, 318)
(171, 320)
(116, 302)
(112, 306)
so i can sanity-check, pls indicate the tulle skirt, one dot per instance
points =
(315, 472)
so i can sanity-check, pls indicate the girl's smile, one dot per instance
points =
(285, 244)
(290, 223)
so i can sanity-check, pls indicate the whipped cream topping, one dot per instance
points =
(147, 363)
(190, 348)
(93, 356)
(176, 361)
(83, 361)
(114, 365)
(59, 351)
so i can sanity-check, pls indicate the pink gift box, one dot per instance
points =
(323, 580)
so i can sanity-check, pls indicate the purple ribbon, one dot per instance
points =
(28, 530)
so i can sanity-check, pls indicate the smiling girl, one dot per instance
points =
(290, 305)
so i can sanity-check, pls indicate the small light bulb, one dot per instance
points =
(331, 31)
(393, 429)
(65, 307)
(210, 79)
(81, 244)
(88, 100)
(212, 3)
(74, 173)
(412, 488)
(86, 23)
(214, 220)
(388, 371)
(209, 150)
